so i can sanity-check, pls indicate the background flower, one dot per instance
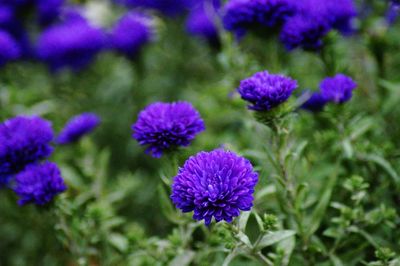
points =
(23, 140)
(77, 127)
(265, 91)
(39, 184)
(338, 89)
(164, 126)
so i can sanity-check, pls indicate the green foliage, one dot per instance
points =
(329, 183)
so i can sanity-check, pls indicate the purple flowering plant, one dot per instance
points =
(274, 121)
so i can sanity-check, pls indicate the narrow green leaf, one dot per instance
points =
(166, 206)
(287, 245)
(118, 241)
(383, 163)
(320, 209)
(273, 238)
(183, 259)
(244, 239)
(243, 219)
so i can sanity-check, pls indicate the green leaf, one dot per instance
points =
(287, 245)
(320, 209)
(166, 206)
(118, 241)
(383, 163)
(273, 238)
(244, 239)
(183, 259)
(243, 219)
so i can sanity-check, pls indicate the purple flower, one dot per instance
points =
(242, 15)
(216, 184)
(73, 43)
(131, 33)
(315, 103)
(338, 89)
(167, 7)
(23, 140)
(10, 50)
(305, 32)
(48, 10)
(77, 127)
(39, 184)
(165, 126)
(202, 22)
(393, 11)
(265, 91)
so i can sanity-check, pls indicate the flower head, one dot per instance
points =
(201, 22)
(305, 32)
(315, 103)
(242, 15)
(338, 89)
(132, 32)
(216, 184)
(265, 91)
(9, 48)
(167, 7)
(48, 10)
(164, 126)
(23, 140)
(73, 43)
(39, 184)
(77, 127)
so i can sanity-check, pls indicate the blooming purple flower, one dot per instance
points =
(338, 89)
(393, 12)
(9, 48)
(39, 183)
(305, 32)
(165, 126)
(167, 7)
(23, 140)
(315, 103)
(241, 15)
(216, 184)
(201, 22)
(265, 91)
(73, 43)
(132, 32)
(48, 10)
(77, 127)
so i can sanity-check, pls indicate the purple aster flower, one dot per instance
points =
(165, 126)
(216, 184)
(338, 89)
(242, 15)
(9, 48)
(167, 7)
(265, 91)
(201, 22)
(73, 43)
(77, 127)
(315, 103)
(131, 33)
(39, 183)
(393, 12)
(48, 10)
(305, 32)
(23, 140)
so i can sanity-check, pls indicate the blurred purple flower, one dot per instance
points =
(338, 89)
(23, 140)
(39, 184)
(10, 49)
(132, 32)
(242, 15)
(73, 43)
(315, 103)
(77, 127)
(165, 126)
(167, 7)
